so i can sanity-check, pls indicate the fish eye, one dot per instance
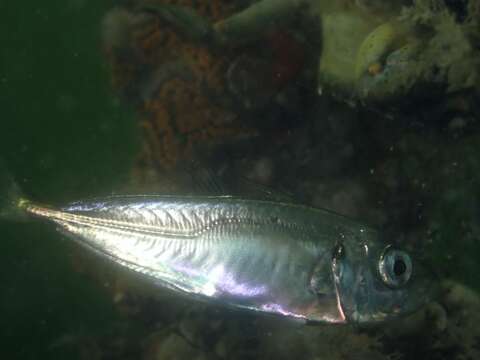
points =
(395, 267)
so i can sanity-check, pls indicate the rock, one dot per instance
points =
(171, 347)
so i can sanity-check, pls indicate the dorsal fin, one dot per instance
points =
(205, 181)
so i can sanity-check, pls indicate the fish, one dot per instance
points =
(260, 255)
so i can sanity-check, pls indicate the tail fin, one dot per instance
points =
(11, 198)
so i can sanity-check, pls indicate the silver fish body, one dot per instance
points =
(279, 258)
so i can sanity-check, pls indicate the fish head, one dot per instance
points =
(375, 281)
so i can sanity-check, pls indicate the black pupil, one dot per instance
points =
(399, 267)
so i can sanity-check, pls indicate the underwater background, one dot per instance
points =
(108, 97)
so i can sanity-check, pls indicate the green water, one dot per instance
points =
(63, 135)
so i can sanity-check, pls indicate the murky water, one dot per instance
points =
(366, 108)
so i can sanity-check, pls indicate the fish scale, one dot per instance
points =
(265, 256)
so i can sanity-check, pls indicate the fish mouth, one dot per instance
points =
(341, 311)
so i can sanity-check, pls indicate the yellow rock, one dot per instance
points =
(377, 45)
